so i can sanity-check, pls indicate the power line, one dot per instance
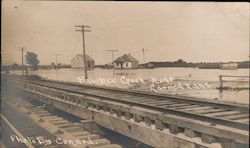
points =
(112, 51)
(82, 29)
(56, 59)
(143, 54)
(22, 50)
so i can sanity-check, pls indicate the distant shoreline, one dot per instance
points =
(201, 65)
(149, 65)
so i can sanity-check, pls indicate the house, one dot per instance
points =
(77, 61)
(126, 61)
(229, 66)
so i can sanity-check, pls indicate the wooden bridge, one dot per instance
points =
(154, 119)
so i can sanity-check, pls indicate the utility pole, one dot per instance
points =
(112, 51)
(143, 54)
(56, 59)
(82, 29)
(22, 50)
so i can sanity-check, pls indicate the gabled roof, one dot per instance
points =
(88, 58)
(126, 58)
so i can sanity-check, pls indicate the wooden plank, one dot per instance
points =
(65, 126)
(235, 76)
(165, 104)
(187, 107)
(238, 116)
(74, 130)
(155, 101)
(209, 111)
(101, 142)
(91, 136)
(43, 113)
(107, 146)
(87, 121)
(246, 120)
(55, 120)
(150, 100)
(71, 127)
(178, 105)
(38, 110)
(50, 117)
(139, 99)
(197, 108)
(80, 134)
(223, 113)
(62, 123)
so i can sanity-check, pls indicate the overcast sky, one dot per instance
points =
(195, 32)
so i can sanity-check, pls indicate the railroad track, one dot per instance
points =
(227, 114)
(18, 126)
(28, 122)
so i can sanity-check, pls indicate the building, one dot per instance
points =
(126, 61)
(229, 66)
(77, 61)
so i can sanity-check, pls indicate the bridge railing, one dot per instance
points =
(229, 76)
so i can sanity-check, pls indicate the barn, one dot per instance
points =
(126, 61)
(77, 61)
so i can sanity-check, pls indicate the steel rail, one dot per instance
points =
(185, 99)
(201, 101)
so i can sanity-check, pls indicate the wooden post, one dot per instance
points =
(221, 83)
(82, 29)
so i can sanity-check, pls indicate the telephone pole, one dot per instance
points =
(143, 54)
(22, 50)
(56, 59)
(112, 51)
(82, 28)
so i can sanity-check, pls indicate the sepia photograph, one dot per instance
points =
(124, 74)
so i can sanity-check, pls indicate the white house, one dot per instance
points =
(126, 61)
(77, 61)
(229, 66)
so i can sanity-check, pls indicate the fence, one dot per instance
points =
(221, 79)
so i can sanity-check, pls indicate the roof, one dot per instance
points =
(126, 58)
(88, 58)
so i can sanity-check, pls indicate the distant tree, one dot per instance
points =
(15, 66)
(53, 65)
(180, 61)
(32, 60)
(59, 65)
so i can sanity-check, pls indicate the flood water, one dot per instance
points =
(168, 76)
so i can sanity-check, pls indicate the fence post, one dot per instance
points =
(221, 83)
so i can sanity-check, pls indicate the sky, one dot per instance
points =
(193, 31)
